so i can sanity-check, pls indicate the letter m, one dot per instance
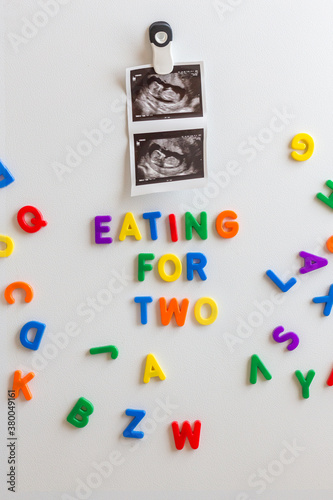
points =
(186, 432)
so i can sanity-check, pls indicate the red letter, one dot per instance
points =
(167, 313)
(186, 432)
(37, 219)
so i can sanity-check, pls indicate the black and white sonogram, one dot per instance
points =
(156, 97)
(169, 156)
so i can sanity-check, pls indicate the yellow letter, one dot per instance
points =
(197, 311)
(9, 246)
(152, 369)
(302, 142)
(129, 228)
(178, 267)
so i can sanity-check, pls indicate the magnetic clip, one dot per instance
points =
(160, 36)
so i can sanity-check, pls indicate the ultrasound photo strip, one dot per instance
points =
(158, 97)
(169, 156)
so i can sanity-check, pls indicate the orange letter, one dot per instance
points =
(29, 293)
(21, 383)
(167, 313)
(233, 226)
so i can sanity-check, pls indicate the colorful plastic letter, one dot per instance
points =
(326, 298)
(284, 287)
(152, 216)
(196, 266)
(100, 229)
(9, 246)
(21, 384)
(129, 228)
(257, 364)
(197, 311)
(40, 327)
(302, 142)
(173, 309)
(192, 223)
(29, 293)
(37, 220)
(232, 226)
(143, 301)
(152, 369)
(79, 416)
(330, 379)
(142, 266)
(286, 336)
(173, 227)
(161, 267)
(112, 349)
(186, 432)
(327, 200)
(7, 176)
(305, 382)
(311, 262)
(329, 244)
(129, 432)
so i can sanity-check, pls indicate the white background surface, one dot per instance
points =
(259, 56)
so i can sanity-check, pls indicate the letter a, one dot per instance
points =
(257, 364)
(311, 262)
(152, 369)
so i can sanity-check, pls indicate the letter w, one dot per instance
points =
(186, 432)
(173, 309)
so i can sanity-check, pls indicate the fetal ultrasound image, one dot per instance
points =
(169, 156)
(156, 97)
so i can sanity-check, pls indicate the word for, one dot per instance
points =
(305, 382)
(302, 142)
(178, 311)
(225, 228)
(195, 262)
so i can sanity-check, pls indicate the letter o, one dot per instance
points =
(9, 246)
(88, 148)
(47, 349)
(233, 226)
(275, 472)
(197, 311)
(104, 297)
(177, 263)
(254, 323)
(40, 15)
(97, 482)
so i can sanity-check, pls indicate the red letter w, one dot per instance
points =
(186, 432)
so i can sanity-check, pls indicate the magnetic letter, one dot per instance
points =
(186, 432)
(21, 384)
(40, 327)
(233, 226)
(284, 287)
(9, 246)
(152, 369)
(311, 262)
(326, 298)
(197, 311)
(327, 200)
(173, 227)
(161, 267)
(173, 309)
(152, 216)
(142, 266)
(79, 416)
(196, 266)
(7, 176)
(302, 142)
(100, 229)
(29, 293)
(286, 336)
(257, 364)
(129, 228)
(305, 382)
(143, 301)
(37, 220)
(192, 223)
(129, 432)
